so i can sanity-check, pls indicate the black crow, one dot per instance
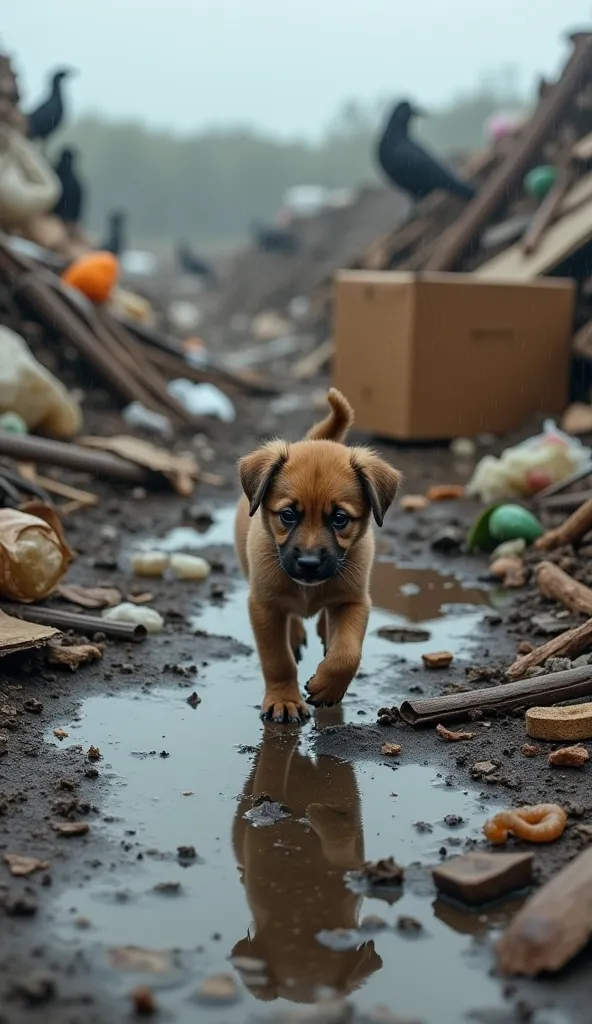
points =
(69, 205)
(115, 241)
(190, 263)
(409, 166)
(48, 116)
(274, 239)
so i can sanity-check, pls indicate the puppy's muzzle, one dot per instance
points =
(313, 565)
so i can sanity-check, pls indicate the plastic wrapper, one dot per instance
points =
(34, 555)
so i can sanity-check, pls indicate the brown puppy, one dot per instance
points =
(304, 539)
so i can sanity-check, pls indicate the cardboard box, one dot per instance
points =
(437, 356)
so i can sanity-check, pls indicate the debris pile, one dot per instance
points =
(532, 214)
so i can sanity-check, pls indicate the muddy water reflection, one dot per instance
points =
(267, 892)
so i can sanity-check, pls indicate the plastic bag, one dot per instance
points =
(30, 390)
(530, 466)
(202, 399)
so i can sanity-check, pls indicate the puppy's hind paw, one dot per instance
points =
(285, 712)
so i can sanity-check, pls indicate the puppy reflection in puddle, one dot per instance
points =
(293, 873)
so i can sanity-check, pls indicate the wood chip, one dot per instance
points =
(560, 724)
(74, 657)
(449, 736)
(61, 734)
(69, 829)
(480, 877)
(569, 757)
(531, 750)
(21, 866)
(391, 749)
(554, 925)
(445, 492)
(137, 959)
(218, 988)
(90, 597)
(438, 659)
(414, 503)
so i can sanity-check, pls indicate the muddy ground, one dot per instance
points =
(172, 867)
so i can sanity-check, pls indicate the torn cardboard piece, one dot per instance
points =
(17, 635)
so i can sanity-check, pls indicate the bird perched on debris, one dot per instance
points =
(43, 121)
(69, 205)
(410, 166)
(190, 263)
(115, 241)
(274, 239)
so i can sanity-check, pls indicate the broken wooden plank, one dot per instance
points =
(554, 925)
(557, 585)
(494, 194)
(548, 211)
(526, 693)
(568, 645)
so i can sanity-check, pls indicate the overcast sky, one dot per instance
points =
(282, 65)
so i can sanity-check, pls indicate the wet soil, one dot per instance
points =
(220, 847)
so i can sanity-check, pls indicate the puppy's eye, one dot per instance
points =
(340, 519)
(288, 516)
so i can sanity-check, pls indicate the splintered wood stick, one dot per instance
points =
(572, 530)
(554, 925)
(569, 645)
(541, 691)
(555, 584)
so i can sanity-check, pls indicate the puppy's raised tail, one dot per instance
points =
(336, 425)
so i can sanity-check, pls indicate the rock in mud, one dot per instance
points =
(409, 925)
(143, 1001)
(480, 877)
(391, 749)
(70, 829)
(481, 769)
(36, 988)
(437, 659)
(385, 872)
(186, 854)
(21, 867)
(569, 757)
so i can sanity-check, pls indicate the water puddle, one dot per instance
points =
(277, 827)
(271, 894)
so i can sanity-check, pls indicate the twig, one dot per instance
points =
(555, 584)
(571, 531)
(569, 645)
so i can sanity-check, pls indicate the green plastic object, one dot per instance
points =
(540, 180)
(12, 423)
(507, 522)
(500, 523)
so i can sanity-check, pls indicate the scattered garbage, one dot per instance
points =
(202, 399)
(543, 823)
(137, 615)
(32, 393)
(137, 415)
(530, 466)
(95, 275)
(150, 563)
(34, 554)
(189, 567)
(503, 523)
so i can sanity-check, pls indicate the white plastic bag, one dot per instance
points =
(530, 466)
(30, 390)
(202, 399)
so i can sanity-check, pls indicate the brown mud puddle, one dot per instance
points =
(267, 899)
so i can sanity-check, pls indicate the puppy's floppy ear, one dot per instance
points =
(258, 469)
(380, 482)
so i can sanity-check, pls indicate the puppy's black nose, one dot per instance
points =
(308, 563)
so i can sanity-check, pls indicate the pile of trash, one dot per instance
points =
(531, 216)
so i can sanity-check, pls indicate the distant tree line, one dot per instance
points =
(209, 187)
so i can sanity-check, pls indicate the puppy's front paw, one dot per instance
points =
(325, 690)
(290, 710)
